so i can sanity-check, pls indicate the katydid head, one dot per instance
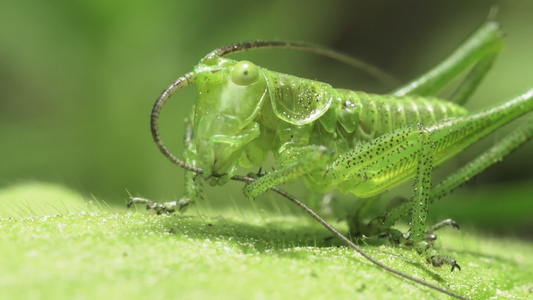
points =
(230, 97)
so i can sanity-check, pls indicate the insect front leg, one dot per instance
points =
(191, 181)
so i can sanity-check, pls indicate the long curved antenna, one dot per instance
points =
(354, 62)
(181, 82)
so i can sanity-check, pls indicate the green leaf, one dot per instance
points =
(133, 255)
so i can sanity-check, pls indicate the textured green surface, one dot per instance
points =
(104, 254)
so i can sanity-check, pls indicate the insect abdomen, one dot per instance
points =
(376, 115)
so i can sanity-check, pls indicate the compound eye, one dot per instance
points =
(245, 73)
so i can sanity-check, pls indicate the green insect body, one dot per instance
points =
(239, 122)
(350, 141)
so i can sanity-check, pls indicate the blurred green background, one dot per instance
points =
(78, 80)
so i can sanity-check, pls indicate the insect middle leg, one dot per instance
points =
(310, 158)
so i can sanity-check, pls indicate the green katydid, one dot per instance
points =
(339, 139)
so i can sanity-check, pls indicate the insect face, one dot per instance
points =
(230, 97)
